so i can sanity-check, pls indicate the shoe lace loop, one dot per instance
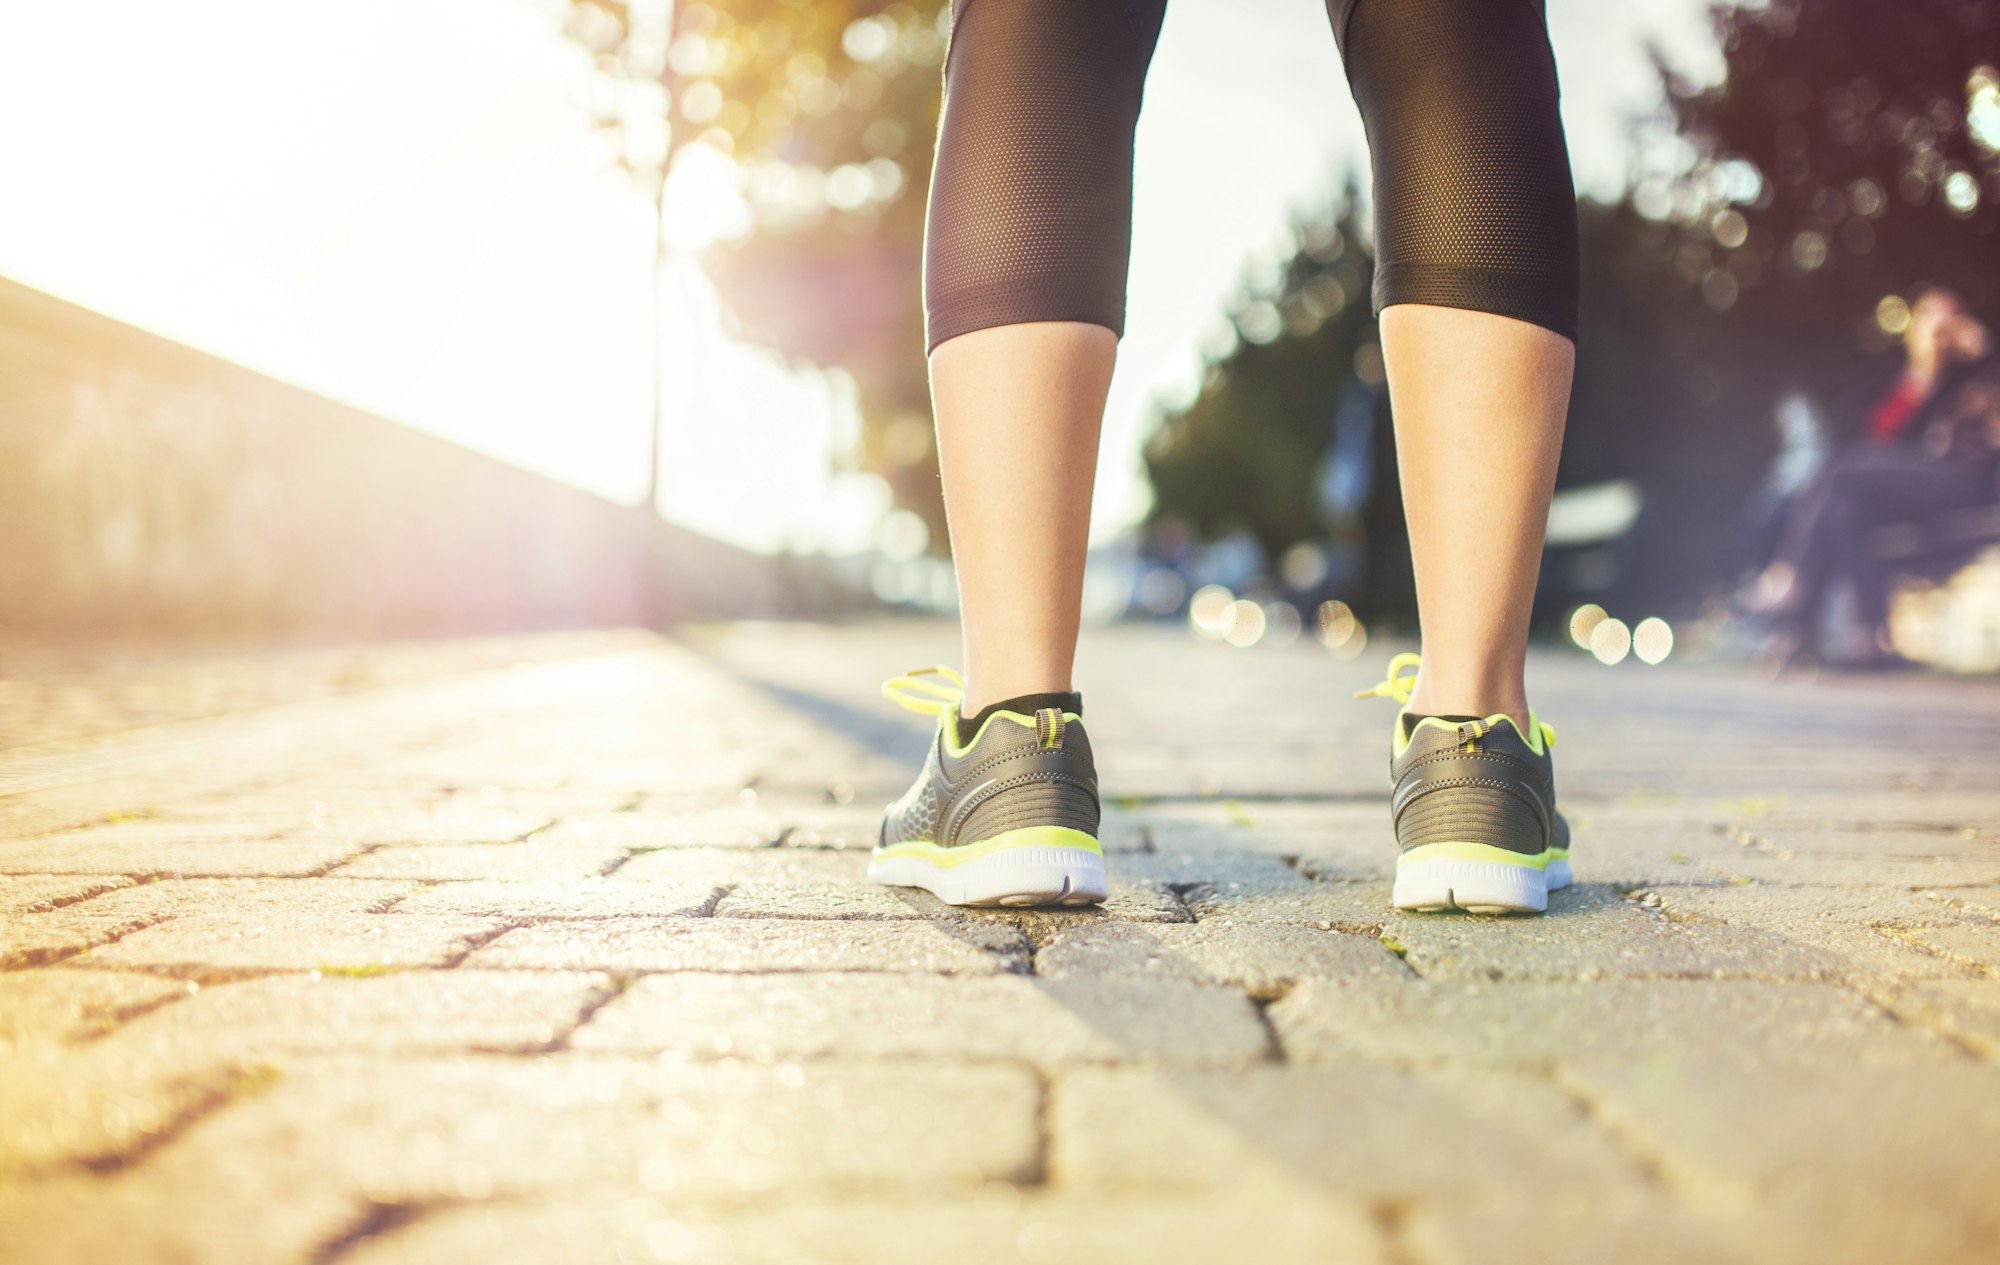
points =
(920, 693)
(1396, 684)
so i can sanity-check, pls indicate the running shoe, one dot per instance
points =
(1474, 808)
(1008, 818)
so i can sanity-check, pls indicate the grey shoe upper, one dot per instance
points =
(1011, 777)
(1476, 783)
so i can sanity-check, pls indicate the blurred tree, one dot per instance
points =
(828, 109)
(1851, 152)
(1247, 452)
(1776, 226)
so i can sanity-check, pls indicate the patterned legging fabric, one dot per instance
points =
(1031, 197)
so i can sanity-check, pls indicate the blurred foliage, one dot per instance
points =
(829, 110)
(1246, 454)
(1851, 154)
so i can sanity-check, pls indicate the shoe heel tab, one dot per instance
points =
(1050, 725)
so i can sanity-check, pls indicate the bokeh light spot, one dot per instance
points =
(1653, 640)
(1611, 641)
(1243, 624)
(1583, 621)
(1892, 314)
(1208, 610)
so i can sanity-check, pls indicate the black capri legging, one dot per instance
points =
(1031, 199)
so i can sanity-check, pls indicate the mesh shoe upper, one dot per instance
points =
(1475, 782)
(1017, 772)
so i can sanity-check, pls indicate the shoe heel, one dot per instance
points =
(1018, 870)
(1477, 887)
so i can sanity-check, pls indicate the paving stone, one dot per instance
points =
(39, 893)
(99, 1105)
(1826, 1125)
(1966, 1010)
(445, 822)
(758, 946)
(1131, 900)
(774, 883)
(39, 939)
(564, 898)
(780, 883)
(1973, 945)
(1354, 906)
(1229, 872)
(767, 823)
(421, 1130)
(1269, 1129)
(551, 803)
(531, 860)
(247, 897)
(1634, 1227)
(1050, 1022)
(1593, 932)
(73, 1005)
(1863, 838)
(193, 860)
(1982, 899)
(410, 1011)
(1623, 850)
(990, 1228)
(1850, 1227)
(707, 827)
(1862, 926)
(1264, 960)
(143, 831)
(157, 1214)
(1865, 860)
(278, 940)
(1532, 1023)
(1352, 840)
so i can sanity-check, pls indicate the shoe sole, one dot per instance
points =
(1038, 865)
(1477, 879)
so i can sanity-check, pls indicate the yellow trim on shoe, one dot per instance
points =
(1006, 841)
(1464, 851)
(956, 750)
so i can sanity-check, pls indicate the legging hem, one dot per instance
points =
(987, 312)
(1525, 297)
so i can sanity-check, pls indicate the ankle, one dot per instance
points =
(971, 718)
(978, 697)
(1512, 703)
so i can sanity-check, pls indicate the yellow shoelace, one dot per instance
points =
(1396, 685)
(915, 691)
(1401, 681)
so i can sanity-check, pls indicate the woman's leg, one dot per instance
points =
(1476, 283)
(1019, 408)
(1024, 274)
(1476, 286)
(1479, 402)
(1024, 295)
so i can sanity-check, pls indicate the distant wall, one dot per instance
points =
(148, 489)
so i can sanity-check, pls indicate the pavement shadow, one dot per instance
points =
(1198, 1035)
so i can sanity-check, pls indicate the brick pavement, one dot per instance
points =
(559, 950)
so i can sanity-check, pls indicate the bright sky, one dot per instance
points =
(398, 203)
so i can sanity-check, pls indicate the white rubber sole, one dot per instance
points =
(1477, 887)
(1016, 877)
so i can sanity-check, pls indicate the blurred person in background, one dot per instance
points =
(1939, 347)
(1476, 284)
(1931, 450)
